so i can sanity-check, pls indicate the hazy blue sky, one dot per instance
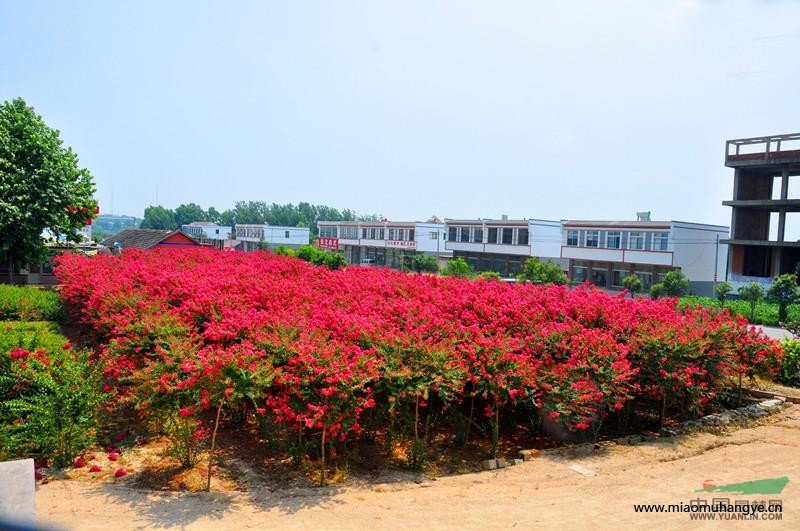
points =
(587, 110)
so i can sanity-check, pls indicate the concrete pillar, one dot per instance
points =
(785, 184)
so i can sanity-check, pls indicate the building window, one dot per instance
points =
(614, 240)
(477, 235)
(660, 241)
(572, 237)
(492, 235)
(636, 241)
(522, 237)
(364, 233)
(579, 272)
(286, 234)
(411, 235)
(592, 238)
(508, 236)
(451, 234)
(464, 234)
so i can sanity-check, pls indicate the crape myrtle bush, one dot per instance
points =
(50, 394)
(310, 350)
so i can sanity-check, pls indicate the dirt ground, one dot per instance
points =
(542, 493)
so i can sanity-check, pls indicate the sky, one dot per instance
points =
(461, 109)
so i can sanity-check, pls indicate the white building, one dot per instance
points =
(207, 230)
(605, 252)
(503, 245)
(271, 236)
(384, 243)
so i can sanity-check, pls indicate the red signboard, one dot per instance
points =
(328, 243)
(401, 244)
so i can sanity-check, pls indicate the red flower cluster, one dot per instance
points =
(314, 348)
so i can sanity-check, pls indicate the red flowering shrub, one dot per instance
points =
(312, 349)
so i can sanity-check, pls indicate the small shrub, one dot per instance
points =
(633, 284)
(539, 272)
(675, 283)
(789, 372)
(657, 291)
(752, 293)
(721, 292)
(490, 275)
(457, 267)
(50, 401)
(423, 263)
(783, 292)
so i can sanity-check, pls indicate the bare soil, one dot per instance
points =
(542, 493)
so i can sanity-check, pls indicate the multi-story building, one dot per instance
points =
(270, 236)
(207, 230)
(503, 245)
(605, 252)
(759, 247)
(383, 243)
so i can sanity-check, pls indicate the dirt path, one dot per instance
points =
(542, 494)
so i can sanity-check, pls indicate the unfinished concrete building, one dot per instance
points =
(759, 248)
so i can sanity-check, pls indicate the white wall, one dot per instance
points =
(694, 246)
(276, 235)
(211, 232)
(545, 238)
(427, 243)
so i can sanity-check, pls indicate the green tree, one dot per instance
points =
(784, 292)
(158, 217)
(675, 283)
(752, 293)
(633, 284)
(457, 267)
(423, 263)
(721, 292)
(42, 187)
(185, 214)
(539, 272)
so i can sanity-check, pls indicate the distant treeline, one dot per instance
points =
(250, 212)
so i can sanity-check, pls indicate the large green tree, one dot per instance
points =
(42, 187)
(158, 217)
(185, 214)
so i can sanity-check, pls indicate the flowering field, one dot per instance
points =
(311, 353)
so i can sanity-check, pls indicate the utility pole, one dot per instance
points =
(716, 259)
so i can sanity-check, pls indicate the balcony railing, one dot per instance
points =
(764, 149)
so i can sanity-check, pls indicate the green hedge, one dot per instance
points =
(766, 312)
(29, 304)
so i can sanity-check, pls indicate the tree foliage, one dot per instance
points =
(633, 283)
(721, 292)
(158, 217)
(423, 263)
(457, 267)
(675, 283)
(539, 272)
(783, 292)
(752, 293)
(42, 187)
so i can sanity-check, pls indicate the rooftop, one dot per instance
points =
(763, 151)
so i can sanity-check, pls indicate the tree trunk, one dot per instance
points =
(213, 445)
(322, 472)
(10, 268)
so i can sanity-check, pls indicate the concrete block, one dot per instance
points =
(489, 464)
(501, 462)
(18, 492)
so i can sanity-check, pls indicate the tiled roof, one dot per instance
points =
(138, 238)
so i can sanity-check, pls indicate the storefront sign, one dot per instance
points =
(401, 244)
(328, 243)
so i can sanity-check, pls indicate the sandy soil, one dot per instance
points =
(543, 493)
